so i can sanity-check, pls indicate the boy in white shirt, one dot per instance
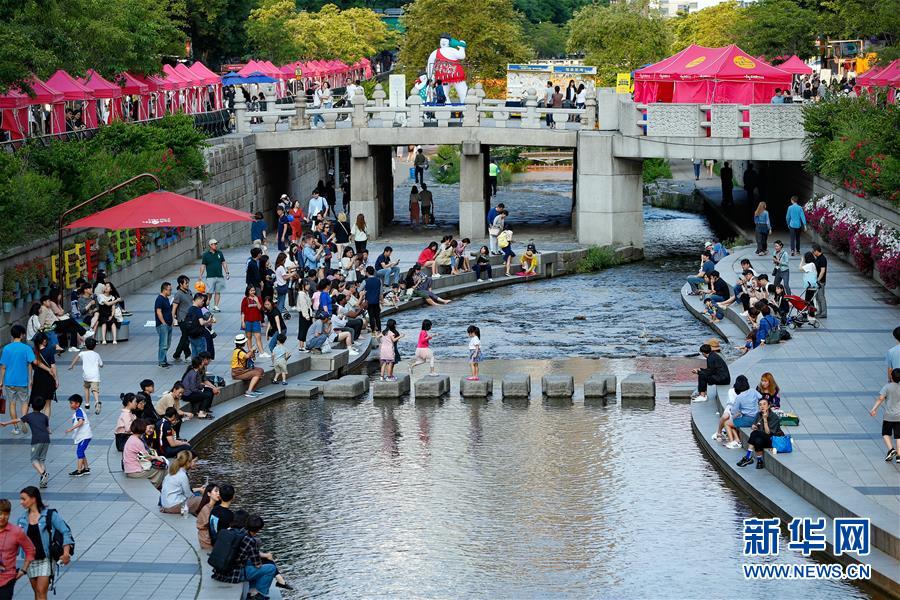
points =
(91, 363)
(81, 436)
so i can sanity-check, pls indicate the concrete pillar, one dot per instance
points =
(471, 192)
(609, 210)
(362, 188)
(384, 185)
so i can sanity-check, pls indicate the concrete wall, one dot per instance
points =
(235, 179)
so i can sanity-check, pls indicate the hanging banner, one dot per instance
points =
(623, 83)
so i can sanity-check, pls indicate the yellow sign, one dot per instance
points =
(744, 62)
(623, 83)
(695, 62)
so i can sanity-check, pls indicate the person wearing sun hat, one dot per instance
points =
(715, 373)
(242, 367)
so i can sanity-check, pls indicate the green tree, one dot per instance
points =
(558, 11)
(217, 29)
(713, 27)
(41, 36)
(548, 40)
(492, 30)
(778, 27)
(279, 33)
(852, 19)
(619, 37)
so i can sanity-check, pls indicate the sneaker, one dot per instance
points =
(491, 279)
(249, 395)
(126, 313)
(716, 437)
(699, 398)
(760, 463)
(733, 445)
(265, 355)
(891, 455)
(99, 407)
(353, 352)
(164, 365)
(15, 430)
(392, 378)
(284, 586)
(86, 470)
(436, 276)
(744, 461)
(284, 383)
(73, 348)
(216, 309)
(89, 333)
(471, 379)
(76, 473)
(479, 280)
(44, 479)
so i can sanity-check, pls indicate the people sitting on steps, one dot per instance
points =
(716, 371)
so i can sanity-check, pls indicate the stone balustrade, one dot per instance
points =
(769, 121)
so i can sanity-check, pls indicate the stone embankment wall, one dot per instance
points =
(238, 177)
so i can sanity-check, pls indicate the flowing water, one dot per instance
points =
(456, 498)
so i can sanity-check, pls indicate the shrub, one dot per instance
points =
(656, 168)
(597, 259)
(446, 164)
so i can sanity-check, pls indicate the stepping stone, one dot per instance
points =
(482, 388)
(303, 391)
(516, 385)
(681, 392)
(346, 388)
(599, 385)
(432, 387)
(391, 389)
(639, 385)
(329, 361)
(558, 386)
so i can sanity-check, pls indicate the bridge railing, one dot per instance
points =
(769, 121)
(476, 111)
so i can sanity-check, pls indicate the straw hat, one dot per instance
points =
(240, 339)
(713, 343)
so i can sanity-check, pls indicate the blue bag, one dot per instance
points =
(782, 443)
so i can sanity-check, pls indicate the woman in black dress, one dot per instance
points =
(44, 379)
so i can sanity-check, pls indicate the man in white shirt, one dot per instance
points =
(317, 103)
(317, 207)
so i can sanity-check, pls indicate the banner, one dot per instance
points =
(623, 83)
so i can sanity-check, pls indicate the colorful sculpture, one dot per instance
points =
(445, 65)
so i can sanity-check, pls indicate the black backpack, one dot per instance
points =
(225, 551)
(57, 542)
(192, 326)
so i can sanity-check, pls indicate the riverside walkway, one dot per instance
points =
(124, 545)
(829, 377)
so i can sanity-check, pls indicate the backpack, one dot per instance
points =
(773, 336)
(192, 326)
(225, 551)
(57, 542)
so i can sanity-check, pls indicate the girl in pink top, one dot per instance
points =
(387, 350)
(423, 348)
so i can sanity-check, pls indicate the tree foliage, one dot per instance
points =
(559, 11)
(864, 19)
(620, 37)
(713, 27)
(548, 40)
(492, 30)
(41, 36)
(278, 32)
(778, 27)
(217, 29)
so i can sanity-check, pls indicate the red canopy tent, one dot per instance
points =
(251, 67)
(709, 76)
(41, 93)
(14, 106)
(795, 66)
(195, 83)
(155, 88)
(886, 77)
(209, 79)
(132, 86)
(103, 89)
(160, 209)
(178, 86)
(72, 90)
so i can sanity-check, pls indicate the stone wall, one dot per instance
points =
(873, 208)
(238, 177)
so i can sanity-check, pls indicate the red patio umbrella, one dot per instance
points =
(160, 209)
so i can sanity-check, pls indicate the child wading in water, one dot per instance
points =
(424, 354)
(386, 353)
(474, 351)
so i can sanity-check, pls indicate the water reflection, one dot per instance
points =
(493, 499)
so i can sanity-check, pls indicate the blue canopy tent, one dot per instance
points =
(254, 77)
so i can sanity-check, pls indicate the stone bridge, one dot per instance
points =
(609, 138)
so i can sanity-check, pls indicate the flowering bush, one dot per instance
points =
(871, 243)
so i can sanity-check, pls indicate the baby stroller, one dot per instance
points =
(801, 312)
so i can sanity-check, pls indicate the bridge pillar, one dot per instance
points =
(472, 164)
(609, 207)
(363, 198)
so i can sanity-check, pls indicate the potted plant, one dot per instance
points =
(11, 281)
(7, 301)
(103, 251)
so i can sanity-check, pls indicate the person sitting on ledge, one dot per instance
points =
(250, 564)
(741, 411)
(427, 259)
(716, 371)
(706, 267)
(136, 452)
(166, 438)
(769, 390)
(176, 488)
(172, 399)
(208, 501)
(766, 425)
(242, 367)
